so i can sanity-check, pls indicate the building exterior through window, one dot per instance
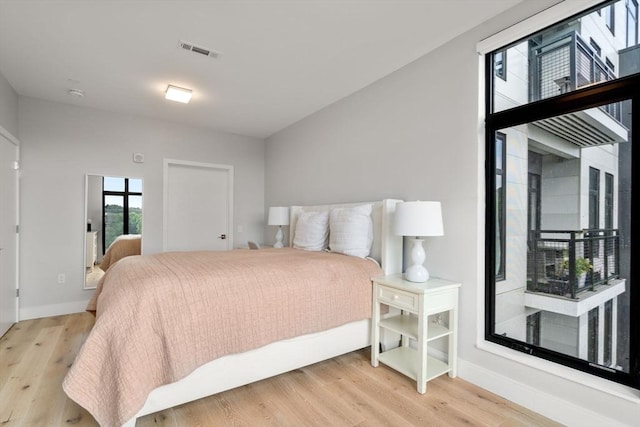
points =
(559, 213)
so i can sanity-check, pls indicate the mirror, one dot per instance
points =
(113, 223)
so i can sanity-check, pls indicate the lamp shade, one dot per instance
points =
(278, 215)
(418, 219)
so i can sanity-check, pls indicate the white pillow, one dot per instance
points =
(351, 231)
(312, 231)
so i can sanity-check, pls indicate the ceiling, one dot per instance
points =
(281, 60)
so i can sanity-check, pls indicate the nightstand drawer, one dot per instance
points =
(396, 298)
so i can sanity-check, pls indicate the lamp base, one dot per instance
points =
(416, 272)
(279, 236)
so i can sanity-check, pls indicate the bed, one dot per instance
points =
(190, 366)
(123, 246)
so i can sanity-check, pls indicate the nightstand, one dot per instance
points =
(91, 243)
(416, 302)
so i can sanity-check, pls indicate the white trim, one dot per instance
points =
(165, 182)
(533, 24)
(5, 134)
(575, 376)
(546, 404)
(50, 310)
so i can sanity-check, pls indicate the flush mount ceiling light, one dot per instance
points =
(178, 94)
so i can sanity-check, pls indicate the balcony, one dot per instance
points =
(569, 263)
(563, 65)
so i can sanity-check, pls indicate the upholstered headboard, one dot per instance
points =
(386, 247)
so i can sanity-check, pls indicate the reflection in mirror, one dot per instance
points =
(113, 223)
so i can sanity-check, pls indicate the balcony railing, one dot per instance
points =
(565, 64)
(568, 263)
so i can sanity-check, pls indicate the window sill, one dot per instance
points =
(614, 389)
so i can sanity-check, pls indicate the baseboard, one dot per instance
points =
(49, 310)
(548, 405)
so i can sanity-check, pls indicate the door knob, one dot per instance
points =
(222, 236)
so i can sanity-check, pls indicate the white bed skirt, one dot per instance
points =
(273, 359)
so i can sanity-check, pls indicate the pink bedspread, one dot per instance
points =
(123, 246)
(161, 316)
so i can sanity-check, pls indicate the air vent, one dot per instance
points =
(199, 49)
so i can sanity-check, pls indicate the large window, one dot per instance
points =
(558, 276)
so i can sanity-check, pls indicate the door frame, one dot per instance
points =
(165, 181)
(13, 140)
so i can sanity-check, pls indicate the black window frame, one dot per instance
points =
(625, 88)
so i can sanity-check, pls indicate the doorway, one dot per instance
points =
(198, 206)
(8, 232)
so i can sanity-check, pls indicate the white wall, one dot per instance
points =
(416, 134)
(8, 107)
(60, 143)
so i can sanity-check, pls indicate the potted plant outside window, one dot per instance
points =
(583, 266)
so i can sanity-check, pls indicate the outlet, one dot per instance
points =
(62, 278)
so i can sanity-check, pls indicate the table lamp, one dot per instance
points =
(278, 215)
(418, 219)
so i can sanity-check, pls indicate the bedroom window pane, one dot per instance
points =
(563, 58)
(113, 183)
(135, 214)
(113, 218)
(135, 185)
(562, 257)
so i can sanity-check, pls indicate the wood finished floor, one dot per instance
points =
(36, 354)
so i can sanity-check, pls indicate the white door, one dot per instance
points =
(198, 206)
(8, 235)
